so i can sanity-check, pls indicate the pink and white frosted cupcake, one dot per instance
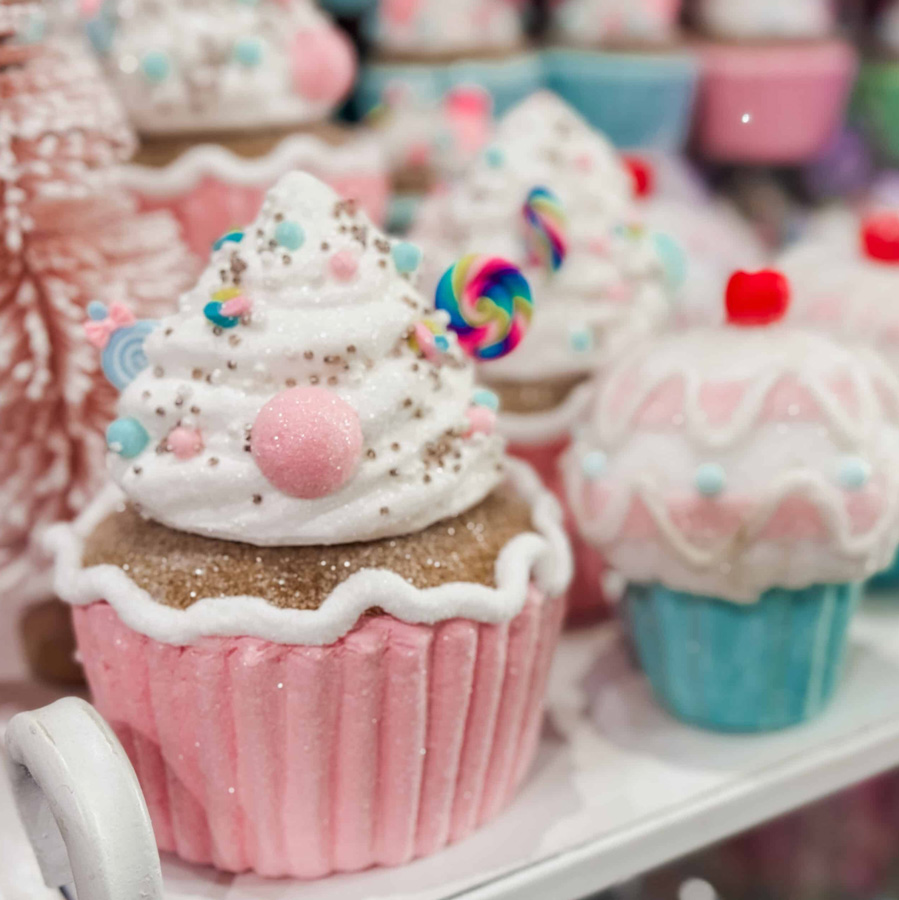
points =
(321, 610)
(744, 480)
(776, 80)
(553, 196)
(226, 98)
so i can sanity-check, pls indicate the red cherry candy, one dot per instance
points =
(880, 237)
(643, 175)
(757, 298)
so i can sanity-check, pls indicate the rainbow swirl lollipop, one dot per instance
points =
(545, 229)
(489, 304)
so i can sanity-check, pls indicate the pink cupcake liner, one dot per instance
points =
(587, 601)
(304, 761)
(776, 104)
(213, 206)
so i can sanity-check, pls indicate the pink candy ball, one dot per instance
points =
(185, 443)
(307, 442)
(481, 420)
(344, 265)
(323, 64)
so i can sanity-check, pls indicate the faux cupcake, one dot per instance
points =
(320, 610)
(623, 65)
(743, 480)
(553, 196)
(226, 98)
(437, 75)
(776, 79)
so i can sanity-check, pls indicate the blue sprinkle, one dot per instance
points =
(486, 398)
(248, 51)
(594, 464)
(854, 473)
(290, 235)
(673, 259)
(441, 342)
(406, 256)
(156, 66)
(710, 479)
(213, 313)
(581, 341)
(494, 157)
(127, 437)
(96, 310)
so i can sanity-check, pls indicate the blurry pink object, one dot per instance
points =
(99, 332)
(469, 111)
(211, 190)
(323, 64)
(775, 104)
(185, 443)
(399, 12)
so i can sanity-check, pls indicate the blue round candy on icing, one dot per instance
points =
(100, 32)
(248, 51)
(290, 235)
(406, 256)
(156, 66)
(710, 479)
(486, 398)
(494, 157)
(581, 340)
(127, 437)
(594, 464)
(854, 473)
(96, 310)
(673, 259)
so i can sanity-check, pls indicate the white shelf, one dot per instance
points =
(619, 787)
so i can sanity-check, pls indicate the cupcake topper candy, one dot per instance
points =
(880, 237)
(643, 176)
(489, 303)
(121, 338)
(757, 298)
(545, 229)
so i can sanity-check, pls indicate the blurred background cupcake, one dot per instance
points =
(624, 66)
(226, 97)
(437, 75)
(776, 79)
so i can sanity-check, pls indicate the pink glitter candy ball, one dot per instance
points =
(307, 442)
(185, 443)
(344, 265)
(323, 64)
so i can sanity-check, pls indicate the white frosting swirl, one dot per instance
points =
(309, 325)
(730, 460)
(214, 65)
(611, 21)
(609, 289)
(742, 19)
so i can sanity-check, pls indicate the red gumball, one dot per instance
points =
(880, 237)
(643, 175)
(307, 441)
(757, 298)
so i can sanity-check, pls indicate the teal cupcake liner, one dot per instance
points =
(742, 668)
(888, 579)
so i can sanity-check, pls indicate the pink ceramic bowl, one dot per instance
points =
(775, 104)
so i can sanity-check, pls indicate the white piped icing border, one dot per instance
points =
(298, 151)
(545, 557)
(543, 427)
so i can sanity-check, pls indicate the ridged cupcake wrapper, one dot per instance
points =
(730, 667)
(304, 761)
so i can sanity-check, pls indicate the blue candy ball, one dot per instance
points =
(96, 310)
(127, 437)
(710, 479)
(854, 473)
(290, 235)
(673, 259)
(406, 256)
(594, 464)
(156, 66)
(248, 51)
(486, 398)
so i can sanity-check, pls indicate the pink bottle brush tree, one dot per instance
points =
(68, 236)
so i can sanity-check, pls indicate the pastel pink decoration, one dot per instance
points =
(304, 761)
(481, 420)
(418, 153)
(399, 12)
(323, 65)
(773, 104)
(307, 441)
(584, 162)
(344, 265)
(185, 443)
(89, 8)
(426, 343)
(99, 332)
(237, 307)
(469, 110)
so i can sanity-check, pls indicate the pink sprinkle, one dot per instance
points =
(237, 306)
(90, 8)
(481, 420)
(185, 443)
(584, 162)
(599, 246)
(344, 265)
(418, 154)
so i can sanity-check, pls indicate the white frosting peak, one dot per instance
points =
(742, 19)
(610, 286)
(332, 305)
(611, 21)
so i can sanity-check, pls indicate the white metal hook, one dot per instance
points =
(81, 804)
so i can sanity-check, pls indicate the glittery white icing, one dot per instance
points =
(438, 26)
(888, 27)
(727, 461)
(610, 21)
(608, 291)
(542, 556)
(766, 18)
(313, 322)
(213, 65)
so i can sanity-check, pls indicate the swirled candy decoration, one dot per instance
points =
(121, 338)
(235, 236)
(489, 304)
(429, 340)
(545, 229)
(226, 307)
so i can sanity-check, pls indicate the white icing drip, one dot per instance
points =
(307, 327)
(361, 154)
(767, 18)
(544, 557)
